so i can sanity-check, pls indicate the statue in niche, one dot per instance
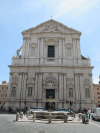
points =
(13, 93)
(30, 91)
(70, 92)
(87, 92)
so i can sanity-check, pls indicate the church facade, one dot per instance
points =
(49, 63)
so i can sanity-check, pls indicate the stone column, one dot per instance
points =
(78, 46)
(64, 60)
(60, 86)
(64, 86)
(60, 50)
(36, 80)
(73, 47)
(23, 47)
(91, 88)
(40, 86)
(42, 49)
(81, 87)
(9, 86)
(24, 89)
(38, 51)
(76, 90)
(28, 43)
(19, 86)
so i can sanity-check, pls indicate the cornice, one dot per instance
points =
(51, 65)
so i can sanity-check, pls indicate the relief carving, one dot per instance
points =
(51, 28)
(86, 81)
(70, 79)
(50, 82)
(30, 80)
(14, 79)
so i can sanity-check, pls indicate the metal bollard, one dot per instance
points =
(34, 117)
(49, 120)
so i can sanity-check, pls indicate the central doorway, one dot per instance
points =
(50, 92)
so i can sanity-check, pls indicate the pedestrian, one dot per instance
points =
(1, 108)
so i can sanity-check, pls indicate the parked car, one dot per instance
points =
(62, 109)
(70, 111)
(38, 109)
(96, 114)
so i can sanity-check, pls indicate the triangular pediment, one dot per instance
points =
(51, 26)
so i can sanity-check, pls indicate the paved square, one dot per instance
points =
(8, 126)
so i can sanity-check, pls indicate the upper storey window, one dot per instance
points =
(50, 51)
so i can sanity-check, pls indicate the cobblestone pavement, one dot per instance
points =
(8, 126)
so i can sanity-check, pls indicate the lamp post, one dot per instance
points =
(80, 106)
(19, 102)
(37, 102)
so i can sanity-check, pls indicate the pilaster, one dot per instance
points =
(60, 50)
(64, 86)
(36, 80)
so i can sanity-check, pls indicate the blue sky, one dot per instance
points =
(19, 15)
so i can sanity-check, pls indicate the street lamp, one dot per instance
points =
(19, 102)
(80, 106)
(37, 102)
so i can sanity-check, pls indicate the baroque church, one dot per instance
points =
(49, 63)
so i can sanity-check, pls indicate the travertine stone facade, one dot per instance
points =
(33, 72)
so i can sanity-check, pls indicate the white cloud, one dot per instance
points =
(79, 6)
(96, 52)
(96, 81)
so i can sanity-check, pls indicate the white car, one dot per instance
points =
(96, 114)
(38, 109)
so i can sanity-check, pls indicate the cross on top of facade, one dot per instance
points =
(51, 16)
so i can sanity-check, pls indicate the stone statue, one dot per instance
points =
(87, 92)
(18, 50)
(70, 92)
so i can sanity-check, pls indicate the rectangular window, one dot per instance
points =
(98, 93)
(6, 88)
(50, 51)
(98, 101)
(97, 88)
(5, 95)
(1, 95)
(99, 97)
(2, 88)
